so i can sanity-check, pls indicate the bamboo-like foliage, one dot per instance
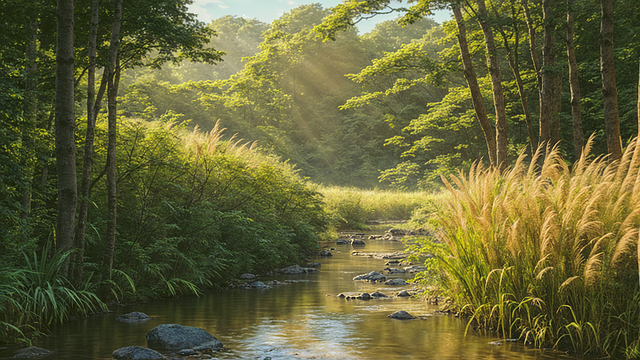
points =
(549, 253)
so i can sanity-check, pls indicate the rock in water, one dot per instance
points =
(297, 269)
(32, 353)
(378, 294)
(247, 276)
(396, 282)
(404, 293)
(135, 316)
(325, 253)
(402, 315)
(358, 242)
(136, 353)
(260, 285)
(372, 276)
(177, 337)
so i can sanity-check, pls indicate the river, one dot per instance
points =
(302, 320)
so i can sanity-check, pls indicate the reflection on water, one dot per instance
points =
(303, 320)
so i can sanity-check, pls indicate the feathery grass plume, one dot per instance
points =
(564, 241)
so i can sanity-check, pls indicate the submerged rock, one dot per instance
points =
(316, 264)
(396, 282)
(259, 285)
(136, 353)
(297, 269)
(378, 294)
(32, 353)
(372, 276)
(325, 253)
(415, 269)
(395, 270)
(135, 316)
(358, 242)
(274, 282)
(401, 315)
(177, 337)
(341, 242)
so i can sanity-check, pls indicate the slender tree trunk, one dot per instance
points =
(496, 85)
(576, 113)
(31, 113)
(65, 129)
(532, 42)
(88, 144)
(514, 63)
(472, 81)
(639, 103)
(112, 92)
(609, 90)
(551, 81)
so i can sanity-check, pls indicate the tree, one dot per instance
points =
(496, 85)
(472, 81)
(65, 128)
(609, 89)
(574, 83)
(551, 80)
(87, 160)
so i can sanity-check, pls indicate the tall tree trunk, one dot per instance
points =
(31, 113)
(576, 113)
(551, 81)
(639, 101)
(472, 81)
(65, 129)
(87, 163)
(514, 64)
(496, 85)
(112, 92)
(609, 90)
(532, 42)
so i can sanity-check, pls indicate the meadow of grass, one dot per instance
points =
(547, 253)
(351, 208)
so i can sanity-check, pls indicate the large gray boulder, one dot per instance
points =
(136, 353)
(372, 276)
(297, 269)
(401, 315)
(133, 317)
(32, 353)
(174, 337)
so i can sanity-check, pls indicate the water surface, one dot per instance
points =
(303, 320)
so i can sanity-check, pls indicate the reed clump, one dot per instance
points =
(548, 253)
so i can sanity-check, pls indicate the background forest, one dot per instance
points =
(207, 142)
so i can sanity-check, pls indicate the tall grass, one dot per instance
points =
(37, 296)
(351, 208)
(548, 253)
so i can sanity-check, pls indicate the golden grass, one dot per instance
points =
(565, 242)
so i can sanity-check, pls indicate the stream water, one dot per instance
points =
(303, 320)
